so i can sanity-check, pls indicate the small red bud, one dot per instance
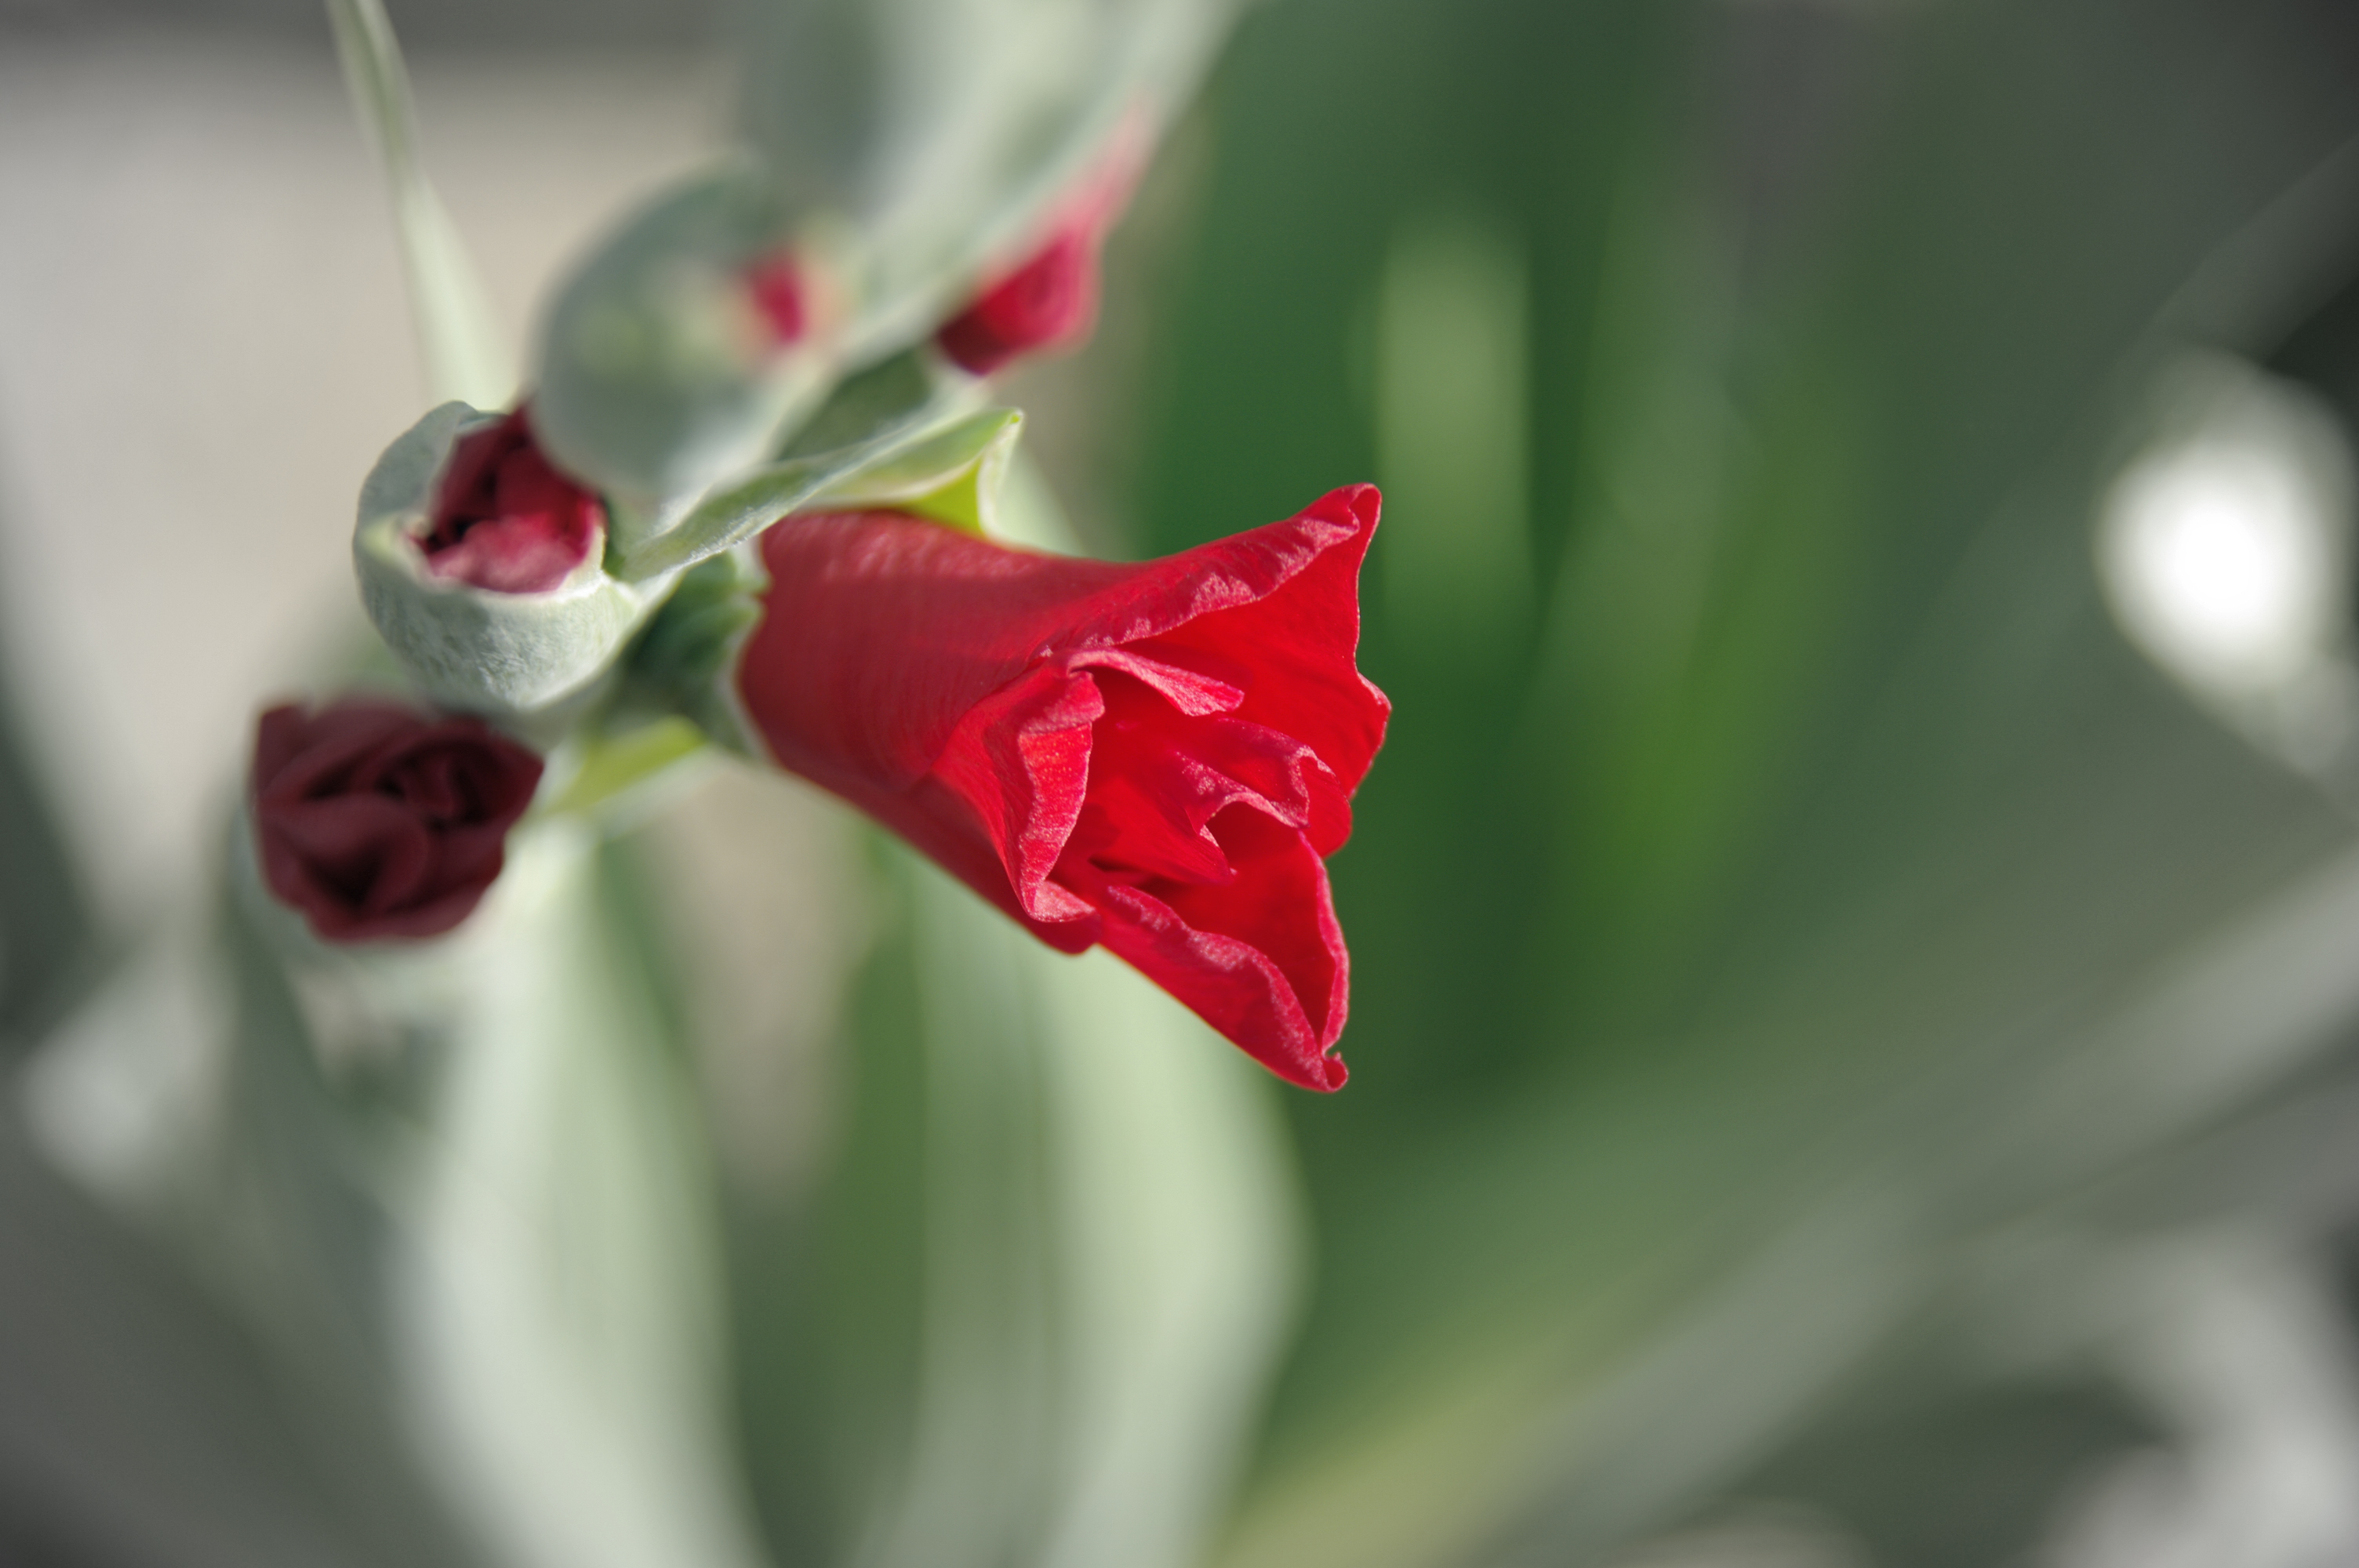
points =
(1051, 299)
(781, 297)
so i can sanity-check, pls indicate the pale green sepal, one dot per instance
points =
(458, 335)
(405, 473)
(731, 516)
(656, 374)
(686, 660)
(501, 653)
(952, 477)
(867, 417)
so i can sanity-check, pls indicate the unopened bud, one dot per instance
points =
(483, 566)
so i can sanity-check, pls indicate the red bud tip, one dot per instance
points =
(780, 297)
(505, 519)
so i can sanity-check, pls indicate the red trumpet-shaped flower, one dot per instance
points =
(1156, 757)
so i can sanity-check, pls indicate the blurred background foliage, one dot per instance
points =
(1853, 1058)
(1771, 814)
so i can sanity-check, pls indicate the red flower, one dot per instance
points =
(1154, 756)
(505, 519)
(376, 822)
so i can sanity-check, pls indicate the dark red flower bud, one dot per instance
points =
(505, 519)
(1154, 756)
(1051, 298)
(373, 821)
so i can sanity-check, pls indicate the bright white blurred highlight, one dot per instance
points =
(2223, 562)
(2225, 552)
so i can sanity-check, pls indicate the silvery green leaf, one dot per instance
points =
(952, 477)
(905, 148)
(553, 1284)
(943, 131)
(142, 1424)
(457, 1185)
(458, 335)
(1043, 1285)
(742, 508)
(471, 648)
(735, 514)
(658, 373)
(909, 391)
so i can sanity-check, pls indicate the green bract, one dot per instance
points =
(953, 476)
(471, 648)
(885, 417)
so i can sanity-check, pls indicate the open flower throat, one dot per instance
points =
(1154, 756)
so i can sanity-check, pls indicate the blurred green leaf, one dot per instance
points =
(1825, 806)
(143, 1426)
(49, 940)
(456, 1192)
(657, 371)
(1030, 1315)
(554, 1293)
(458, 335)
